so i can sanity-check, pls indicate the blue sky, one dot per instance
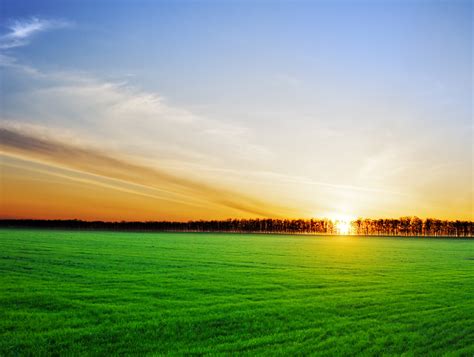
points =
(330, 101)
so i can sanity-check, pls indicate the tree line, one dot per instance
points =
(404, 226)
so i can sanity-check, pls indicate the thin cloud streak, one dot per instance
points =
(20, 162)
(97, 163)
(22, 30)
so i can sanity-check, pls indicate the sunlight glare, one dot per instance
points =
(342, 223)
(343, 227)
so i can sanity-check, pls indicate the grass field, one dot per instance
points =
(137, 293)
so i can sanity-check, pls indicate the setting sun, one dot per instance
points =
(343, 227)
(341, 222)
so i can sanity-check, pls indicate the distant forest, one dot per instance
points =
(404, 226)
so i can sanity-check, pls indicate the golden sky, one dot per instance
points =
(47, 179)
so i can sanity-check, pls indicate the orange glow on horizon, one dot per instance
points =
(47, 179)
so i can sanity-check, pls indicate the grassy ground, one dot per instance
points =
(132, 293)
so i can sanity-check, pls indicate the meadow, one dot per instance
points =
(102, 293)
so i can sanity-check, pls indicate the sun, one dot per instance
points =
(342, 227)
(342, 223)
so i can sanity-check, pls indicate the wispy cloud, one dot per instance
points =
(93, 162)
(12, 63)
(20, 31)
(141, 127)
(145, 129)
(120, 116)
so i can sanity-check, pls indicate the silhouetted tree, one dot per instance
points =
(405, 226)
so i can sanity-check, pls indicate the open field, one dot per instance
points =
(106, 293)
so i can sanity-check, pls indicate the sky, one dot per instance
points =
(186, 110)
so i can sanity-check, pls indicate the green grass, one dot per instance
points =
(142, 293)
